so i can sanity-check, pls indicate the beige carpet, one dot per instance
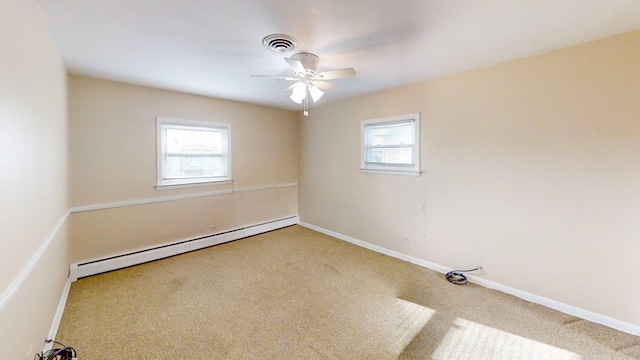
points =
(298, 294)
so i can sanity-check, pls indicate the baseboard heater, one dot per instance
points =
(84, 269)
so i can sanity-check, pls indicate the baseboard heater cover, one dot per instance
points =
(88, 268)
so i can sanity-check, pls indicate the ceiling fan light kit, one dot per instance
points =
(309, 83)
(298, 93)
(316, 93)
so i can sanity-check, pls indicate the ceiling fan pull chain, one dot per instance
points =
(305, 111)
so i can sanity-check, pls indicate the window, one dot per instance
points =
(391, 145)
(192, 152)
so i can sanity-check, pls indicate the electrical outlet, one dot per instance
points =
(214, 227)
(406, 240)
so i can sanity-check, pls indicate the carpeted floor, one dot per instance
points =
(298, 294)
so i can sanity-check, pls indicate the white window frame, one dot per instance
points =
(161, 182)
(412, 169)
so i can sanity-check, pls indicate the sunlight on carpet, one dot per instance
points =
(486, 343)
(414, 318)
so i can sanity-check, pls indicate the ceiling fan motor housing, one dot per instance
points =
(309, 61)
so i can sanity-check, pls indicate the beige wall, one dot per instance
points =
(113, 159)
(530, 169)
(33, 180)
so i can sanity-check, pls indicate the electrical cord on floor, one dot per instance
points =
(457, 277)
(62, 353)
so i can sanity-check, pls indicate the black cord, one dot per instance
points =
(457, 277)
(62, 353)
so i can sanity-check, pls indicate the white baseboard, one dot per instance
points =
(556, 305)
(55, 324)
(79, 270)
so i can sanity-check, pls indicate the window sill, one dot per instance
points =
(392, 172)
(160, 187)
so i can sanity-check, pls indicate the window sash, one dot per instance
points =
(200, 161)
(380, 137)
(371, 154)
(214, 174)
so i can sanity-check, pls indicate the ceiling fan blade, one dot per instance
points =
(325, 86)
(275, 77)
(296, 65)
(336, 74)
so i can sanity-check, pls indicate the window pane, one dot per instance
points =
(189, 166)
(396, 156)
(193, 141)
(394, 134)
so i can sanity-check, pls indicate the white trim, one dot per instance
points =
(553, 304)
(265, 187)
(392, 172)
(154, 200)
(565, 308)
(377, 248)
(194, 184)
(55, 324)
(10, 292)
(79, 270)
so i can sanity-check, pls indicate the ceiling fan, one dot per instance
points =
(309, 83)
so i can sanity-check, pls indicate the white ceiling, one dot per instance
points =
(211, 47)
